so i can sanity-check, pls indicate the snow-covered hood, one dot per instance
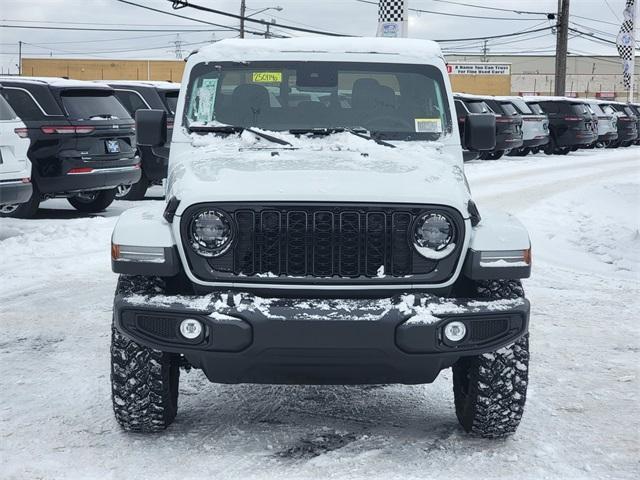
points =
(337, 168)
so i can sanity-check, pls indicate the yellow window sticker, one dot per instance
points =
(428, 125)
(267, 77)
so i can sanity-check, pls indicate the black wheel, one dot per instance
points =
(93, 202)
(23, 210)
(497, 155)
(550, 148)
(490, 390)
(136, 191)
(144, 382)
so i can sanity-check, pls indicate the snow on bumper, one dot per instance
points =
(250, 339)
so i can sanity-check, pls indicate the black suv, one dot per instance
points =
(82, 141)
(508, 128)
(635, 107)
(627, 123)
(466, 105)
(137, 95)
(571, 124)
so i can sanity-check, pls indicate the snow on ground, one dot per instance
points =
(582, 414)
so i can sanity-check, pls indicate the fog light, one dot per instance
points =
(190, 329)
(455, 331)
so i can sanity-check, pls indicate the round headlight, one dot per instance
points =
(433, 236)
(211, 233)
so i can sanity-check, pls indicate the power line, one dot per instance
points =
(103, 24)
(520, 12)
(185, 17)
(82, 29)
(505, 35)
(185, 3)
(448, 14)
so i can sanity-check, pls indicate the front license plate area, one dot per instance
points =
(112, 146)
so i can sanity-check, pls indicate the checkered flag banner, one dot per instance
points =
(626, 41)
(393, 18)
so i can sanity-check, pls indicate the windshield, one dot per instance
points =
(394, 101)
(508, 109)
(93, 105)
(535, 108)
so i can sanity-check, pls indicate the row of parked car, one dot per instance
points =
(555, 125)
(77, 140)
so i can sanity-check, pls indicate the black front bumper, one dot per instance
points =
(250, 339)
(15, 192)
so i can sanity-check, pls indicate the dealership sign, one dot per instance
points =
(479, 68)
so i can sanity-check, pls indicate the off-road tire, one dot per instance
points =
(490, 390)
(144, 382)
(102, 200)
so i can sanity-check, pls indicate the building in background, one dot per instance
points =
(90, 69)
(599, 76)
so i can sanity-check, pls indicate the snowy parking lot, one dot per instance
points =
(582, 418)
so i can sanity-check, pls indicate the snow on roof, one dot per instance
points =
(471, 96)
(307, 47)
(54, 81)
(159, 84)
(541, 98)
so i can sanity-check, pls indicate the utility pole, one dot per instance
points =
(20, 58)
(243, 11)
(485, 50)
(562, 41)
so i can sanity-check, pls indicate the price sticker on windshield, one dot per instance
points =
(267, 77)
(428, 125)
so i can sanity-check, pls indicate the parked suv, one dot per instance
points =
(607, 124)
(465, 106)
(508, 128)
(571, 124)
(635, 108)
(326, 241)
(627, 122)
(15, 168)
(82, 141)
(136, 95)
(535, 127)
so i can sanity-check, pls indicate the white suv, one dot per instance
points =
(319, 229)
(15, 167)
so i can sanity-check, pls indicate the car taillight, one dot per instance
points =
(83, 129)
(503, 120)
(169, 124)
(572, 119)
(22, 132)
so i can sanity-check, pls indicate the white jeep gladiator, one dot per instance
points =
(318, 229)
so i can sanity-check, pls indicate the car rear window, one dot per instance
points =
(6, 112)
(171, 101)
(536, 108)
(522, 106)
(508, 108)
(596, 109)
(478, 107)
(93, 105)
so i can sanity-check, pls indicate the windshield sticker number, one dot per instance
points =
(267, 77)
(207, 100)
(428, 125)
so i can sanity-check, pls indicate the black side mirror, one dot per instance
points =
(151, 128)
(480, 131)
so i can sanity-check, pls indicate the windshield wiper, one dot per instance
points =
(237, 129)
(357, 131)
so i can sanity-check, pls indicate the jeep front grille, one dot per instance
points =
(292, 243)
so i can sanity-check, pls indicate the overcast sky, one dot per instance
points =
(600, 17)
